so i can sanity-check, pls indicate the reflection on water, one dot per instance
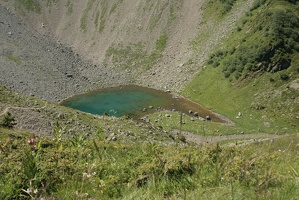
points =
(135, 102)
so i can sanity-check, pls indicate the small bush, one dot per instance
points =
(8, 121)
(244, 21)
(219, 53)
(257, 4)
(272, 80)
(226, 74)
(210, 61)
(292, 1)
(284, 76)
(215, 64)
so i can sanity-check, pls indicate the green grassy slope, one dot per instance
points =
(251, 74)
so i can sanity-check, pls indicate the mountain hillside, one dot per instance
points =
(143, 42)
(231, 56)
(238, 58)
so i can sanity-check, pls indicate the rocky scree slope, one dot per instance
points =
(34, 65)
(140, 42)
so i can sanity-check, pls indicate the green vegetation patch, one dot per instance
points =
(264, 42)
(114, 6)
(7, 120)
(51, 2)
(160, 8)
(217, 8)
(100, 15)
(161, 42)
(9, 97)
(96, 19)
(30, 5)
(14, 59)
(134, 56)
(69, 5)
(104, 7)
(252, 71)
(266, 104)
(157, 13)
(83, 19)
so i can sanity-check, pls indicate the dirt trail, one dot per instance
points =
(243, 138)
(6, 109)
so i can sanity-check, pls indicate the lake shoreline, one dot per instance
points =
(178, 103)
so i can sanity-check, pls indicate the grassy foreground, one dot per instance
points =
(91, 168)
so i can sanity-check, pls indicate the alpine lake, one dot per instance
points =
(136, 102)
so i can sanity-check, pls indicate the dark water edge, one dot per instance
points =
(136, 102)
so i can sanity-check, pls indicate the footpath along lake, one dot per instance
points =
(135, 102)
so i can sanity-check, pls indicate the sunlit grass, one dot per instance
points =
(83, 168)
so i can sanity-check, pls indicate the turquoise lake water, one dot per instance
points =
(133, 101)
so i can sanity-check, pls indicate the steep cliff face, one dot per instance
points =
(147, 42)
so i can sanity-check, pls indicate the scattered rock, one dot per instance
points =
(272, 141)
(142, 180)
(267, 124)
(112, 137)
(61, 116)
